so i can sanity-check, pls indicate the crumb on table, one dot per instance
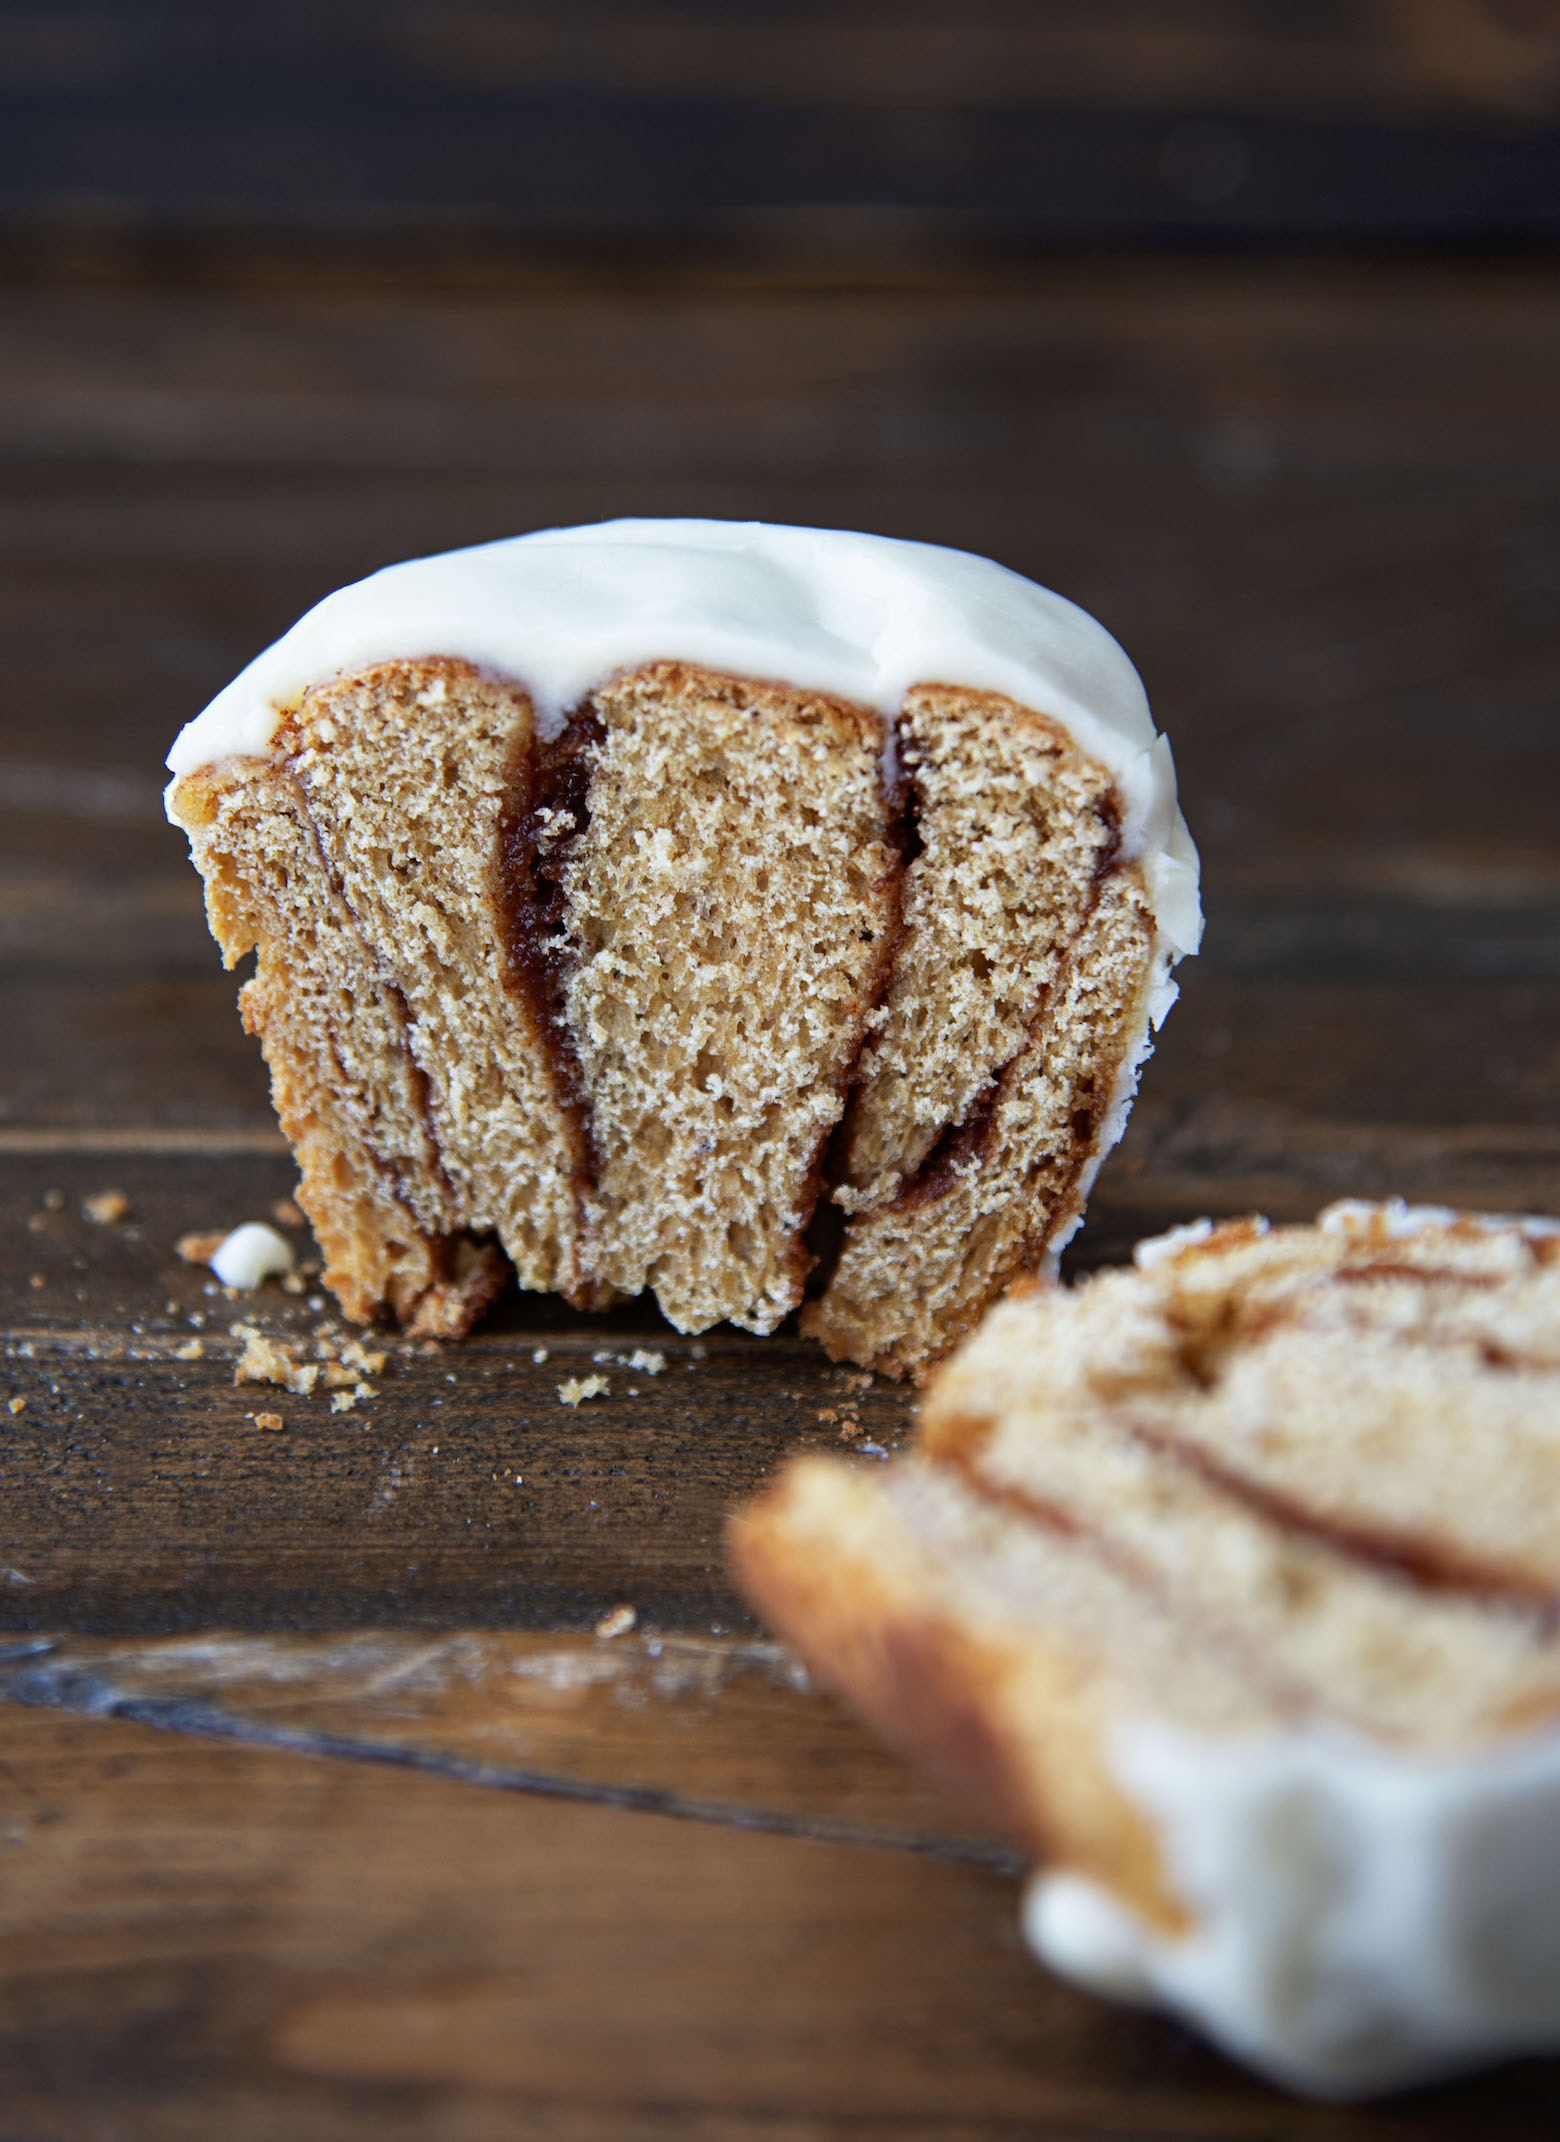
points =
(578, 1388)
(107, 1208)
(269, 1361)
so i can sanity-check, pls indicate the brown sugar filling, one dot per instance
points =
(546, 810)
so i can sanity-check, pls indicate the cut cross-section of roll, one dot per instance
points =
(627, 899)
(1229, 1586)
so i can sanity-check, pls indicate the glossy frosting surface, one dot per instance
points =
(865, 617)
(1364, 1918)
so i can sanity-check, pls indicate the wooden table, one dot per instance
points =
(324, 1810)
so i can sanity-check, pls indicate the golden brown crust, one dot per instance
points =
(1015, 1726)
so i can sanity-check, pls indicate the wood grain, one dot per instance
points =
(716, 1729)
(199, 1940)
(1317, 503)
(869, 129)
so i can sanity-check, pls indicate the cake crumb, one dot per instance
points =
(850, 1431)
(343, 1401)
(271, 1421)
(36, 1280)
(191, 1350)
(107, 1208)
(286, 1214)
(37, 1224)
(827, 1417)
(201, 1246)
(618, 1622)
(265, 1361)
(539, 1355)
(582, 1387)
(648, 1358)
(54, 1201)
(17, 1405)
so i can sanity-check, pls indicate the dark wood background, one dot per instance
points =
(323, 1810)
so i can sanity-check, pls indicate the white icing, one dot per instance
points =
(862, 616)
(251, 1254)
(1161, 1249)
(1363, 1918)
(1355, 1216)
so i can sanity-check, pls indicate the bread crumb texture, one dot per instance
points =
(625, 1009)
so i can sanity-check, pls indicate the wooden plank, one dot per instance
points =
(202, 1940)
(719, 1729)
(1317, 505)
(877, 125)
(137, 1493)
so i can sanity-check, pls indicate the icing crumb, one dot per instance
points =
(618, 1622)
(271, 1421)
(265, 1361)
(582, 1387)
(245, 1257)
(539, 1355)
(250, 1255)
(107, 1208)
